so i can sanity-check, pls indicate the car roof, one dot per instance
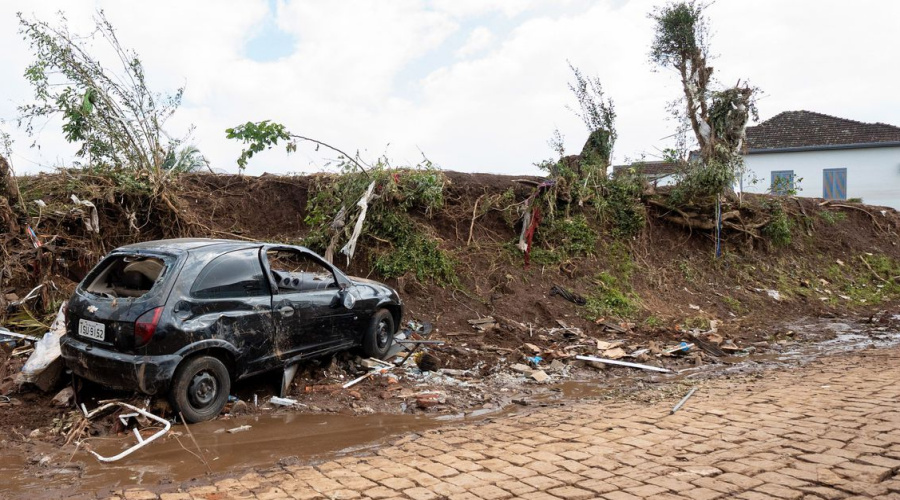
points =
(178, 245)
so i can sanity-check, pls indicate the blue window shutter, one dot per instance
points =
(841, 183)
(782, 181)
(834, 183)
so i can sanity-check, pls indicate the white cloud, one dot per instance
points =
(479, 39)
(362, 74)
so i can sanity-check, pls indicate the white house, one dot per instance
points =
(823, 156)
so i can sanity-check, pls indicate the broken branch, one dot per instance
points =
(474, 216)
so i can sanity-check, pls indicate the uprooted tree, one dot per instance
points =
(716, 115)
(100, 93)
(579, 193)
(106, 107)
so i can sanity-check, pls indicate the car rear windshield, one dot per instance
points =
(127, 275)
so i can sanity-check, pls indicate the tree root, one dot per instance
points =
(731, 220)
(870, 214)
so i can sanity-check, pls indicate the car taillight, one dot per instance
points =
(145, 326)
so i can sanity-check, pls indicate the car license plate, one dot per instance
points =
(91, 329)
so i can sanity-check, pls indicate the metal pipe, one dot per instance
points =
(624, 363)
(683, 400)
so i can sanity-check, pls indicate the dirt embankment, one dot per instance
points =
(648, 291)
(664, 270)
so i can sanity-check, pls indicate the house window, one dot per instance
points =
(782, 182)
(834, 184)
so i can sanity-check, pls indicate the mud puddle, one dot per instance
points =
(289, 437)
(300, 437)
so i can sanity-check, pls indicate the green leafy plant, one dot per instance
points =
(110, 112)
(698, 183)
(398, 193)
(778, 230)
(259, 136)
(610, 298)
(832, 218)
(561, 239)
(598, 113)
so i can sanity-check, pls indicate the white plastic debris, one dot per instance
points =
(275, 400)
(141, 442)
(623, 363)
(92, 221)
(363, 204)
(44, 366)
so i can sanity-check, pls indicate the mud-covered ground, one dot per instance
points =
(482, 382)
(758, 305)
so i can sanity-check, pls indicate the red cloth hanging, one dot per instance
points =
(529, 233)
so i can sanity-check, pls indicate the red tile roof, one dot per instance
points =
(806, 129)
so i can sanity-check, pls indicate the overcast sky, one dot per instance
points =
(475, 85)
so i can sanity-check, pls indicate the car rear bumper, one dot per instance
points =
(147, 374)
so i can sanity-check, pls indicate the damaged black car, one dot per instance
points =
(191, 316)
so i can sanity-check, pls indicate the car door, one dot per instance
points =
(230, 299)
(306, 302)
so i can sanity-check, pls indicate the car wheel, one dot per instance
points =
(380, 335)
(200, 388)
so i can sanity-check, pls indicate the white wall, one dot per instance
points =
(873, 174)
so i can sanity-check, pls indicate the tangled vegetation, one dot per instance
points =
(115, 118)
(778, 230)
(404, 245)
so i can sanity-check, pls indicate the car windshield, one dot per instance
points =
(127, 275)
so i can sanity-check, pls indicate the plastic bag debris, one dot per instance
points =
(45, 365)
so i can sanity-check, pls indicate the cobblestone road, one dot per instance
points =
(828, 430)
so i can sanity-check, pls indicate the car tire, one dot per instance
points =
(380, 335)
(200, 388)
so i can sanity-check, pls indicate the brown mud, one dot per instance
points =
(286, 437)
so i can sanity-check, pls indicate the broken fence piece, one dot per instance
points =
(684, 400)
(166, 425)
(623, 363)
(570, 296)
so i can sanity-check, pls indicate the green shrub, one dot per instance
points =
(778, 230)
(398, 192)
(611, 298)
(696, 181)
(832, 218)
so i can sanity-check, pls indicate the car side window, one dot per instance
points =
(231, 275)
(296, 271)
